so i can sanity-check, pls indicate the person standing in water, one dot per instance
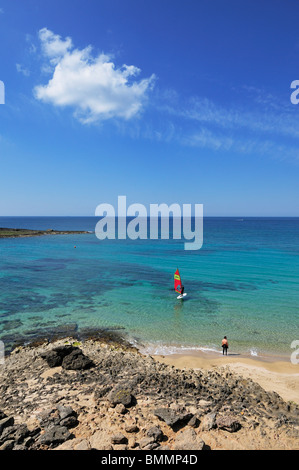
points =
(224, 345)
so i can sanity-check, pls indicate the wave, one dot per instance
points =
(254, 352)
(160, 349)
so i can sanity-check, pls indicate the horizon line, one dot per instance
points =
(205, 216)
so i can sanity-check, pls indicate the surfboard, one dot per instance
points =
(181, 296)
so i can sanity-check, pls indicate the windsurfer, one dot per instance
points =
(178, 286)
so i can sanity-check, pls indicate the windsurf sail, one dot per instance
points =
(177, 282)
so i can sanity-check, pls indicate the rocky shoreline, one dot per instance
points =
(70, 395)
(21, 232)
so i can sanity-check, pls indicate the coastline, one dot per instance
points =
(276, 374)
(272, 372)
(100, 394)
(23, 233)
(229, 301)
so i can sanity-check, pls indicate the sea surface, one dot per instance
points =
(243, 283)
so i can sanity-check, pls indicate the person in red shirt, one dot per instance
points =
(224, 345)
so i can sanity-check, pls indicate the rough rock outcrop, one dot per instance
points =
(129, 401)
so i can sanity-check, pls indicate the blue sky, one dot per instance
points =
(162, 101)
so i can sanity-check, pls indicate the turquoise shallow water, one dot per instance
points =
(243, 283)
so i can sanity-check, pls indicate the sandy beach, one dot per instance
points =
(280, 376)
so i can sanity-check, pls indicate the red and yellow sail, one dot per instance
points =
(177, 282)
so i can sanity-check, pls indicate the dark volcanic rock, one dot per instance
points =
(171, 417)
(54, 436)
(8, 445)
(55, 357)
(52, 358)
(132, 428)
(228, 423)
(62, 415)
(119, 438)
(76, 360)
(121, 394)
(2, 415)
(48, 418)
(13, 436)
(7, 433)
(148, 443)
(5, 423)
(67, 356)
(69, 422)
(64, 350)
(65, 411)
(21, 433)
(156, 433)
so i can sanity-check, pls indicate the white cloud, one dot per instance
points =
(93, 86)
(263, 119)
(265, 128)
(53, 46)
(22, 70)
(32, 47)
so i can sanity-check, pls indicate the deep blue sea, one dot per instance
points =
(243, 283)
